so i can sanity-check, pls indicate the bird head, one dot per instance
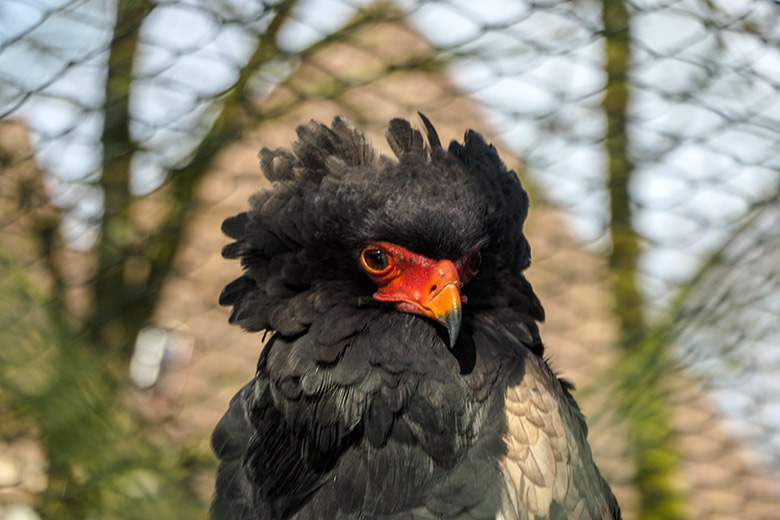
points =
(433, 232)
(420, 285)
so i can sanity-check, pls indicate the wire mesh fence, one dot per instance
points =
(646, 132)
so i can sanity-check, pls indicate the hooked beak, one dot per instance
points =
(445, 307)
(431, 289)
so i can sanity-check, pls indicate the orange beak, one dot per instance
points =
(429, 288)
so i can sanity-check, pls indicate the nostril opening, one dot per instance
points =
(433, 289)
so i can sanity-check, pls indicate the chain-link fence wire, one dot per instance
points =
(144, 134)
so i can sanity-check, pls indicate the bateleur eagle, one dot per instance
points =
(404, 376)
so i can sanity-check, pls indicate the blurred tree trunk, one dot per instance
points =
(123, 303)
(643, 362)
(114, 318)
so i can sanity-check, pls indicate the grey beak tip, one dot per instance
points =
(453, 326)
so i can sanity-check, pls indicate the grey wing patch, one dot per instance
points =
(548, 470)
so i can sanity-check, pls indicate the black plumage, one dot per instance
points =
(361, 408)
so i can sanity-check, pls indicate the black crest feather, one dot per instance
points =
(403, 139)
(433, 136)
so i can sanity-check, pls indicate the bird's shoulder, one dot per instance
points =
(548, 469)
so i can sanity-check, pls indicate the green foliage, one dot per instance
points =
(104, 461)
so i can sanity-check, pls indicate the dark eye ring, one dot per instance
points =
(375, 260)
(474, 262)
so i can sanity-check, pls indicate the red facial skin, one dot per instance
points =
(418, 284)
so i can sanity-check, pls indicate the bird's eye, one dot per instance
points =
(474, 262)
(375, 260)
